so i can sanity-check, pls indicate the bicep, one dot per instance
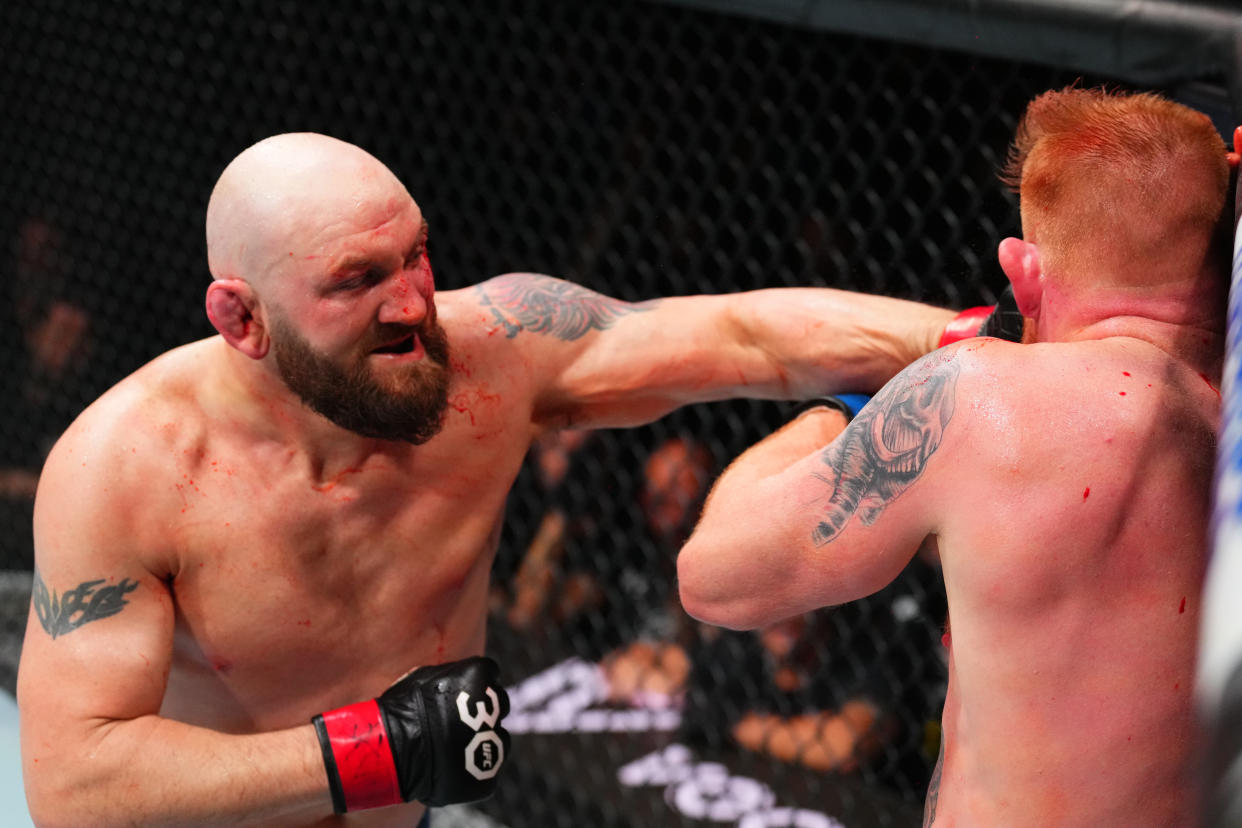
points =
(874, 475)
(821, 533)
(842, 521)
(598, 361)
(98, 645)
(99, 632)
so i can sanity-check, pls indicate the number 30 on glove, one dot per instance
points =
(433, 736)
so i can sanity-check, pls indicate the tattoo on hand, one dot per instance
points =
(60, 614)
(887, 445)
(541, 304)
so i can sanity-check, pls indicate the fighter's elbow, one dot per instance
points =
(46, 813)
(692, 584)
(51, 807)
(717, 615)
(705, 593)
(732, 615)
(694, 605)
(56, 799)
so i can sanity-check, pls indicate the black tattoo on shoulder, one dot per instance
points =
(933, 789)
(888, 444)
(541, 304)
(88, 601)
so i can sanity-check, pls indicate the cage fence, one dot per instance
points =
(639, 148)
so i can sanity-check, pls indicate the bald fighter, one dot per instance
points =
(1065, 482)
(243, 545)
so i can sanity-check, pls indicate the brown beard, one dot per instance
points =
(354, 398)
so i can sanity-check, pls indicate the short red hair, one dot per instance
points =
(1118, 187)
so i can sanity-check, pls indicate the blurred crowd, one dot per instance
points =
(855, 689)
(46, 351)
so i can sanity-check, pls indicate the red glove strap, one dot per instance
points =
(965, 325)
(363, 757)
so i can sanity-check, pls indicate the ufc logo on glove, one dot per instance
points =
(486, 752)
(405, 745)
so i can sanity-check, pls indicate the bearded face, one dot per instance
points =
(406, 402)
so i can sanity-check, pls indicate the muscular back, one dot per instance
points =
(1072, 538)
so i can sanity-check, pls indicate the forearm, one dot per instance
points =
(809, 432)
(733, 553)
(777, 344)
(156, 771)
(732, 495)
(825, 340)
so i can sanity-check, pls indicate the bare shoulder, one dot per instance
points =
(1116, 390)
(126, 419)
(102, 474)
(1128, 379)
(524, 305)
(547, 341)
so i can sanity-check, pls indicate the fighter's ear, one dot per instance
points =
(231, 306)
(1021, 263)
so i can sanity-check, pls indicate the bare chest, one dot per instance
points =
(295, 595)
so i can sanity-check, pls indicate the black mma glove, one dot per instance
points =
(1002, 321)
(434, 736)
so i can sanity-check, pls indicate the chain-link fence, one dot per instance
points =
(641, 149)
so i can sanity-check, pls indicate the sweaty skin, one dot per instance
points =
(1072, 567)
(1066, 485)
(1064, 482)
(1074, 631)
(264, 564)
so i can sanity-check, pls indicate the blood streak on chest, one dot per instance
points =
(1215, 390)
(472, 400)
(332, 482)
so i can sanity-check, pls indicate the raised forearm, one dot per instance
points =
(825, 340)
(732, 570)
(156, 771)
(804, 435)
(778, 344)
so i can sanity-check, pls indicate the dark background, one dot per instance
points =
(639, 148)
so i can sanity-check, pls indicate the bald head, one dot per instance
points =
(284, 194)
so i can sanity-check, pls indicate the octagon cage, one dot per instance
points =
(640, 149)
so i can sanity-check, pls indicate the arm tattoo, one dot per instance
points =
(60, 614)
(887, 446)
(933, 789)
(541, 304)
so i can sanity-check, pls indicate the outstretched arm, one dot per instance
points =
(600, 362)
(794, 525)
